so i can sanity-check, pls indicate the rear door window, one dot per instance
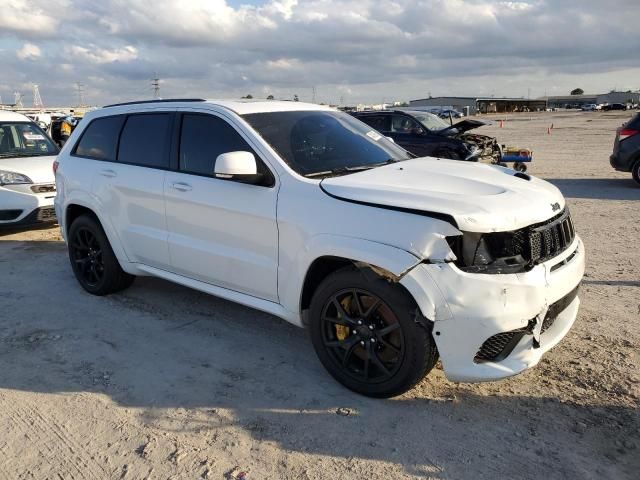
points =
(100, 139)
(145, 140)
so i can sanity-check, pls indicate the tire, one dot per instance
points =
(92, 259)
(383, 361)
(635, 171)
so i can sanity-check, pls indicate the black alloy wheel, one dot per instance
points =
(87, 255)
(92, 259)
(362, 335)
(368, 333)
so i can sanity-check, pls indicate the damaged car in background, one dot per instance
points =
(426, 135)
(307, 213)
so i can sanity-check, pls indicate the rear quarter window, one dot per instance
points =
(100, 139)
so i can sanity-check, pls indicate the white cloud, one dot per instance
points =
(29, 51)
(27, 17)
(365, 49)
(102, 55)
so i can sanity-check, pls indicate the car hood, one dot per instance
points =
(38, 169)
(479, 197)
(463, 126)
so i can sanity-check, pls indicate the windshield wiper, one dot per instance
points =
(347, 170)
(18, 155)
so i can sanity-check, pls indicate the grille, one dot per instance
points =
(45, 214)
(499, 346)
(536, 243)
(551, 238)
(45, 188)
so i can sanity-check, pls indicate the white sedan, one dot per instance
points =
(27, 182)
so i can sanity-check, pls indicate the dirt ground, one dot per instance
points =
(164, 382)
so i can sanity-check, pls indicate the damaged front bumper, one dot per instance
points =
(491, 326)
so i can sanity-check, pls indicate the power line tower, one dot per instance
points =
(17, 99)
(80, 94)
(37, 99)
(155, 84)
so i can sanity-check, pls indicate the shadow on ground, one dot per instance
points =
(598, 188)
(160, 346)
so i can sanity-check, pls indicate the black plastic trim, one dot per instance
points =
(166, 100)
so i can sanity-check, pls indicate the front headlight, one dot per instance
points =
(488, 253)
(13, 178)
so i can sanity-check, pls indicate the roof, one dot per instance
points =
(241, 107)
(9, 116)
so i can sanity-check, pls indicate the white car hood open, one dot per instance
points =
(479, 197)
(38, 169)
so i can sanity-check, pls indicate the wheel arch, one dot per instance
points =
(378, 259)
(75, 208)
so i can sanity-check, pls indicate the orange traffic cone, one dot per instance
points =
(501, 123)
(548, 130)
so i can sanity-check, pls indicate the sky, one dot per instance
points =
(365, 51)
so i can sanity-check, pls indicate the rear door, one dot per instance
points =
(222, 232)
(128, 180)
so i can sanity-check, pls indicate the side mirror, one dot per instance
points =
(240, 165)
(417, 131)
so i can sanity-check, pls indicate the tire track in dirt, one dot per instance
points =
(64, 455)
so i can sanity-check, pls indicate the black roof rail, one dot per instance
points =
(164, 100)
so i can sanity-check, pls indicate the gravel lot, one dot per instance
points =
(164, 382)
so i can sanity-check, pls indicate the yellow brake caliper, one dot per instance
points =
(342, 331)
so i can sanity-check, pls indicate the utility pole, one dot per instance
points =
(155, 84)
(37, 100)
(80, 93)
(313, 94)
(17, 99)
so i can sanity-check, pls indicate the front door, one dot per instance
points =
(222, 232)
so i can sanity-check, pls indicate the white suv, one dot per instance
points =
(27, 184)
(306, 213)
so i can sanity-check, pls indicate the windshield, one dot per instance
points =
(317, 142)
(432, 122)
(24, 139)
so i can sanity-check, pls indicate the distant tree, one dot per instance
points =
(295, 98)
(577, 91)
(404, 104)
(270, 97)
(249, 96)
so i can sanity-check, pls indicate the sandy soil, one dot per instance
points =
(164, 382)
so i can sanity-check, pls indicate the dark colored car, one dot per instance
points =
(424, 134)
(614, 106)
(626, 148)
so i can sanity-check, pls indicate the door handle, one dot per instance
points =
(108, 173)
(183, 187)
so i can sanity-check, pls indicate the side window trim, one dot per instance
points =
(176, 151)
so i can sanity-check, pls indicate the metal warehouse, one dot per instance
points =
(482, 104)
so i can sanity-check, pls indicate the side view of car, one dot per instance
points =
(614, 106)
(425, 134)
(27, 184)
(626, 148)
(307, 213)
